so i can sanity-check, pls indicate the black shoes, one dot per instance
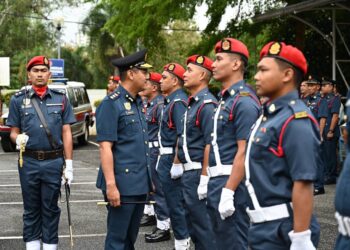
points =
(318, 191)
(148, 220)
(330, 181)
(158, 235)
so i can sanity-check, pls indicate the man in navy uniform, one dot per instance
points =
(237, 111)
(122, 134)
(196, 138)
(169, 168)
(342, 202)
(331, 132)
(153, 115)
(304, 91)
(319, 109)
(44, 156)
(282, 156)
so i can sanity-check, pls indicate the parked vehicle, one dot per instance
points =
(79, 99)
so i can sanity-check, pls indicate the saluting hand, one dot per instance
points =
(113, 196)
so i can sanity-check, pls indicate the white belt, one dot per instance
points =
(166, 151)
(219, 170)
(343, 224)
(192, 165)
(153, 144)
(271, 213)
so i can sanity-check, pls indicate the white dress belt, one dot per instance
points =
(192, 165)
(219, 170)
(264, 214)
(343, 224)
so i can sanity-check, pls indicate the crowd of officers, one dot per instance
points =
(226, 173)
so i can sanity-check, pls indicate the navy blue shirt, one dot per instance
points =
(57, 112)
(119, 119)
(342, 201)
(199, 125)
(153, 116)
(333, 102)
(318, 106)
(239, 110)
(174, 107)
(274, 170)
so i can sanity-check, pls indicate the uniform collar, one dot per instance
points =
(279, 103)
(123, 92)
(32, 92)
(198, 96)
(232, 90)
(155, 100)
(173, 95)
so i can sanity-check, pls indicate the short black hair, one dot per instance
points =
(298, 75)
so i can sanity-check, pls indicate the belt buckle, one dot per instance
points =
(41, 155)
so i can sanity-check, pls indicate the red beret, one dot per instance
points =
(285, 53)
(116, 78)
(175, 69)
(38, 60)
(230, 45)
(202, 61)
(155, 77)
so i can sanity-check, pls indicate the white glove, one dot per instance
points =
(176, 170)
(226, 207)
(301, 240)
(67, 175)
(21, 139)
(202, 189)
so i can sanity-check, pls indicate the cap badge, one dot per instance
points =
(171, 67)
(226, 45)
(200, 60)
(46, 61)
(127, 105)
(275, 49)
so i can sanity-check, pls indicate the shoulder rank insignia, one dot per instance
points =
(113, 96)
(127, 105)
(244, 93)
(301, 114)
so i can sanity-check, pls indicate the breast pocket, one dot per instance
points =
(28, 118)
(261, 144)
(55, 114)
(130, 124)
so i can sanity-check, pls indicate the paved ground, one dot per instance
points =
(89, 220)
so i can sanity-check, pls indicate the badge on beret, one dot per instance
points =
(275, 49)
(200, 60)
(171, 67)
(127, 105)
(26, 101)
(226, 45)
(46, 61)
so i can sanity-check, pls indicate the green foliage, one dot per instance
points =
(5, 98)
(97, 103)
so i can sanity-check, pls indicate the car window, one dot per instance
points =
(84, 95)
(72, 97)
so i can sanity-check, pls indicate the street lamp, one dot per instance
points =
(58, 22)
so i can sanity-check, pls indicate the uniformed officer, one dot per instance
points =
(122, 134)
(331, 132)
(196, 138)
(319, 109)
(304, 91)
(154, 107)
(342, 204)
(169, 168)
(113, 83)
(282, 156)
(237, 111)
(48, 146)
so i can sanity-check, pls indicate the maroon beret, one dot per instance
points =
(38, 60)
(230, 45)
(155, 77)
(202, 61)
(175, 69)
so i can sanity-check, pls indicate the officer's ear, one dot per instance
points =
(130, 74)
(288, 75)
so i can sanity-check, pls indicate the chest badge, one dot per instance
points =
(26, 101)
(272, 108)
(127, 105)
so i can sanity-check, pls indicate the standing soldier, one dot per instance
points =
(153, 113)
(282, 156)
(113, 83)
(331, 132)
(169, 168)
(304, 92)
(122, 134)
(319, 109)
(342, 202)
(237, 111)
(196, 138)
(40, 121)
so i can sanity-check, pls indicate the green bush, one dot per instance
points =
(97, 103)
(5, 98)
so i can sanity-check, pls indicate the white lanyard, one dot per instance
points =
(184, 145)
(160, 128)
(215, 135)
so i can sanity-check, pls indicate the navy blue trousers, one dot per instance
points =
(160, 208)
(319, 182)
(343, 243)
(274, 234)
(200, 227)
(41, 183)
(123, 224)
(331, 158)
(231, 233)
(173, 196)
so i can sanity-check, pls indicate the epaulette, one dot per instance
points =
(298, 109)
(20, 92)
(114, 96)
(59, 91)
